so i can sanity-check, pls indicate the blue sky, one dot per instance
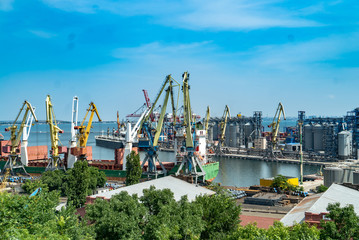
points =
(247, 54)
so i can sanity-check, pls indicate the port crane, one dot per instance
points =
(153, 133)
(272, 148)
(191, 164)
(55, 161)
(222, 133)
(25, 136)
(84, 132)
(14, 161)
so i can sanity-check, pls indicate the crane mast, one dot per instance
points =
(25, 136)
(190, 165)
(275, 125)
(272, 151)
(71, 159)
(153, 133)
(14, 161)
(55, 161)
(84, 132)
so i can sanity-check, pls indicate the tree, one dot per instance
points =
(122, 217)
(54, 180)
(133, 168)
(344, 223)
(77, 184)
(97, 178)
(221, 215)
(281, 182)
(322, 188)
(30, 186)
(24, 217)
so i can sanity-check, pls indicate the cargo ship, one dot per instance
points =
(38, 156)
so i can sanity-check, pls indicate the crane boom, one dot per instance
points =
(14, 161)
(16, 135)
(55, 161)
(84, 131)
(275, 124)
(226, 115)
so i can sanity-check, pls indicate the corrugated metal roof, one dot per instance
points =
(177, 186)
(318, 203)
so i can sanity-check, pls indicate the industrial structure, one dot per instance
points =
(14, 162)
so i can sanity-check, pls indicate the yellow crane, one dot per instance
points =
(55, 161)
(14, 161)
(84, 132)
(191, 164)
(223, 125)
(275, 125)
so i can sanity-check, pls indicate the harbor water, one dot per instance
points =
(232, 172)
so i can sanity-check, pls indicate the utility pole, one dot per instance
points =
(301, 152)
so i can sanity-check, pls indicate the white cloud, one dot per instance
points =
(201, 14)
(42, 34)
(156, 49)
(6, 5)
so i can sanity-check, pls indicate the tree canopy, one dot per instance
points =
(133, 168)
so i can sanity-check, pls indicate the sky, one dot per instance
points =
(247, 54)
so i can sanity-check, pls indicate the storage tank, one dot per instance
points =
(344, 144)
(227, 139)
(356, 177)
(238, 135)
(210, 133)
(247, 130)
(308, 137)
(318, 132)
(332, 175)
(232, 135)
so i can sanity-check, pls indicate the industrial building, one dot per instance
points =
(333, 137)
(241, 131)
(314, 208)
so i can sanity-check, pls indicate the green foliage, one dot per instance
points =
(133, 168)
(77, 184)
(23, 217)
(281, 182)
(97, 178)
(322, 188)
(217, 188)
(221, 215)
(120, 218)
(277, 232)
(344, 224)
(30, 186)
(156, 215)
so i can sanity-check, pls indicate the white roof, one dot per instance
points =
(177, 186)
(318, 203)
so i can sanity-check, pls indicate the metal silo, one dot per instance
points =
(232, 135)
(356, 177)
(210, 133)
(227, 140)
(344, 144)
(308, 137)
(332, 175)
(318, 132)
(238, 135)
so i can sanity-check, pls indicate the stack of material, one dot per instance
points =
(268, 199)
